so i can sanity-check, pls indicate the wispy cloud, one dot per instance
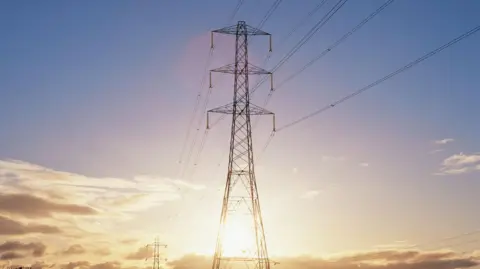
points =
(76, 249)
(462, 159)
(436, 151)
(310, 194)
(33, 207)
(12, 227)
(460, 164)
(364, 165)
(385, 259)
(72, 204)
(443, 141)
(14, 250)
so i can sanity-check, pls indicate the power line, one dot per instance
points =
(436, 244)
(204, 78)
(199, 94)
(262, 23)
(398, 71)
(300, 43)
(218, 120)
(324, 20)
(389, 76)
(304, 39)
(200, 120)
(295, 28)
(265, 18)
(269, 140)
(302, 22)
(203, 140)
(336, 43)
(197, 102)
(310, 33)
(269, 13)
(196, 161)
(326, 51)
(447, 239)
(235, 11)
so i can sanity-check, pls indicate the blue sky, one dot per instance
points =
(106, 89)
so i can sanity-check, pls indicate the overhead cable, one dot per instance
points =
(385, 78)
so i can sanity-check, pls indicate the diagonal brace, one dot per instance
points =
(252, 70)
(253, 110)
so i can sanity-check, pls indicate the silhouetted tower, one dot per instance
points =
(241, 236)
(156, 253)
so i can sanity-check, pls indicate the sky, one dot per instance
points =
(96, 100)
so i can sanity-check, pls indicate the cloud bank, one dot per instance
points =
(385, 259)
(55, 216)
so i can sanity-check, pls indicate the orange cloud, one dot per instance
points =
(11, 227)
(76, 204)
(141, 254)
(391, 259)
(15, 250)
(383, 259)
(88, 265)
(34, 207)
(74, 250)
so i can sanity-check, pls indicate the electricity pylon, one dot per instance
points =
(241, 236)
(156, 252)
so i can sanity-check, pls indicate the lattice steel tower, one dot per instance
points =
(241, 236)
(156, 252)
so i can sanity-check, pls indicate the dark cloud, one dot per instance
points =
(76, 265)
(107, 265)
(191, 261)
(34, 207)
(11, 255)
(141, 254)
(74, 250)
(88, 265)
(11, 227)
(392, 259)
(395, 255)
(36, 249)
(42, 265)
(129, 241)
(382, 264)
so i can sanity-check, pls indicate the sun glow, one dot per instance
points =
(238, 239)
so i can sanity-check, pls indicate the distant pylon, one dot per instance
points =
(156, 253)
(241, 236)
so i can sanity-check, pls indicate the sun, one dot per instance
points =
(238, 239)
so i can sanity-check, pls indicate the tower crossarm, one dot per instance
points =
(156, 252)
(252, 70)
(244, 30)
(253, 110)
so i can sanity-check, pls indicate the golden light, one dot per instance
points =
(239, 239)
